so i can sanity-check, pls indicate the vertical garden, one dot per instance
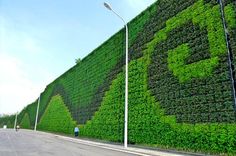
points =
(182, 57)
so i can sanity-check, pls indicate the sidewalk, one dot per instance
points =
(120, 148)
(50, 141)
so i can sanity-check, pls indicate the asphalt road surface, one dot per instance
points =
(30, 143)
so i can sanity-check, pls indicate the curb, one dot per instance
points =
(120, 148)
(131, 149)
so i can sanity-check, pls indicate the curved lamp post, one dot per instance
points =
(126, 74)
(37, 113)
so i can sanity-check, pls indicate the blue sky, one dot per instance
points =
(40, 40)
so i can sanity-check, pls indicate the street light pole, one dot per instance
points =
(37, 112)
(15, 120)
(126, 74)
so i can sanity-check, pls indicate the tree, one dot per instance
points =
(78, 60)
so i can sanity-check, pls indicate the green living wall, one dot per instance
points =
(182, 58)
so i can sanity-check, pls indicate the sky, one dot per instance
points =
(40, 40)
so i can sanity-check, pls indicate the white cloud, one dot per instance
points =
(16, 88)
(23, 74)
(19, 82)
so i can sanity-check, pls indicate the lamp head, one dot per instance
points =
(107, 6)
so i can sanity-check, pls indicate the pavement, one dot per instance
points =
(37, 143)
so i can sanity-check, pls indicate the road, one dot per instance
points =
(30, 143)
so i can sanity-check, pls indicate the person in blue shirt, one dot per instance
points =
(76, 130)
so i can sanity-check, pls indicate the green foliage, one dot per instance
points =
(31, 111)
(186, 52)
(136, 25)
(147, 122)
(179, 86)
(230, 12)
(25, 122)
(57, 117)
(78, 60)
(86, 83)
(28, 115)
(207, 17)
(230, 16)
(8, 120)
(10, 124)
(176, 63)
(107, 123)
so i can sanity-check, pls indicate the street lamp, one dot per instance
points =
(126, 74)
(37, 112)
(15, 120)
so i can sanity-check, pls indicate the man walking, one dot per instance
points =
(76, 130)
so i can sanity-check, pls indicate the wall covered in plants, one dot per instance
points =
(25, 122)
(57, 117)
(182, 58)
